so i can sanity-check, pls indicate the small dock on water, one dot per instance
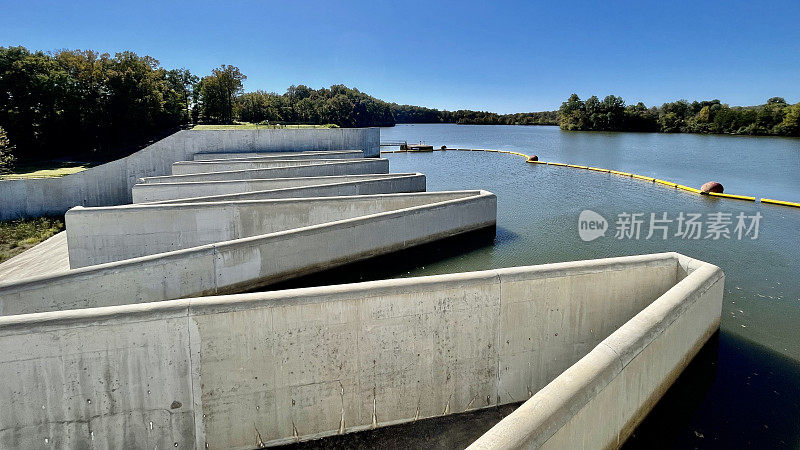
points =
(404, 145)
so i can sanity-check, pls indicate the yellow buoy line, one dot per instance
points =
(614, 172)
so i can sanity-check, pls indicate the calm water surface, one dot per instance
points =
(744, 388)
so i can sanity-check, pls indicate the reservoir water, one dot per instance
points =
(744, 388)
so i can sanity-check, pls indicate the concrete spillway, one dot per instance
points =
(115, 233)
(588, 344)
(318, 169)
(195, 167)
(195, 189)
(112, 334)
(246, 236)
(382, 184)
(339, 154)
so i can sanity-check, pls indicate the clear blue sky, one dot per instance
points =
(497, 56)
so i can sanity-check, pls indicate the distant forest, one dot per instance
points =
(81, 103)
(775, 117)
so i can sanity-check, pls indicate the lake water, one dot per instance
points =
(744, 388)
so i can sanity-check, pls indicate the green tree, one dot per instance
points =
(572, 114)
(7, 158)
(790, 125)
(181, 83)
(218, 93)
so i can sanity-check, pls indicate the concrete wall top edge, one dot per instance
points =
(368, 176)
(242, 195)
(310, 159)
(201, 305)
(345, 199)
(270, 160)
(288, 152)
(548, 270)
(343, 162)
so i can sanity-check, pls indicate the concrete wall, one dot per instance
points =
(390, 183)
(343, 167)
(339, 154)
(248, 370)
(243, 264)
(190, 167)
(598, 402)
(114, 233)
(179, 190)
(110, 184)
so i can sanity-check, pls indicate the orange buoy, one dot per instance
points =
(712, 186)
(533, 158)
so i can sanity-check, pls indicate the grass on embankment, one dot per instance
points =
(46, 169)
(258, 126)
(16, 236)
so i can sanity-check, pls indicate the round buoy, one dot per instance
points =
(712, 186)
(533, 158)
(444, 147)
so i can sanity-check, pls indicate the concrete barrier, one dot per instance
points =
(599, 401)
(340, 154)
(266, 368)
(110, 183)
(114, 233)
(192, 167)
(343, 167)
(180, 190)
(247, 263)
(386, 184)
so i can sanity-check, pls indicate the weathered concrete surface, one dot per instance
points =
(114, 233)
(253, 369)
(180, 190)
(247, 263)
(600, 400)
(329, 168)
(45, 258)
(191, 167)
(334, 154)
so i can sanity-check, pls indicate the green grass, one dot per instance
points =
(16, 236)
(258, 126)
(46, 169)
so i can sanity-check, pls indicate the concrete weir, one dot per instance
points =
(114, 333)
(249, 262)
(253, 189)
(192, 167)
(110, 183)
(588, 345)
(317, 169)
(233, 230)
(339, 154)
(114, 233)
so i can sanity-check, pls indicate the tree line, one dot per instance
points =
(774, 118)
(421, 114)
(60, 103)
(81, 103)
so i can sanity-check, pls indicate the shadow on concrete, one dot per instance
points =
(446, 432)
(393, 264)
